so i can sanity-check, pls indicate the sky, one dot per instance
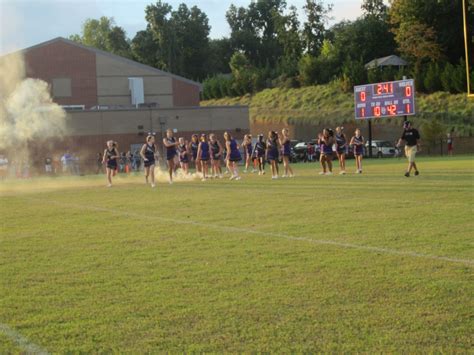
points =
(24, 23)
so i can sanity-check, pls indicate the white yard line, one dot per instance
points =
(23, 343)
(468, 262)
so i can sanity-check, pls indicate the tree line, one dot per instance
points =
(271, 46)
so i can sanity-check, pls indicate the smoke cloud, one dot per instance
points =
(27, 111)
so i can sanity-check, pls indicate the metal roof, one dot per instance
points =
(391, 60)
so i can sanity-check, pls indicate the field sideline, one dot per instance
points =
(372, 262)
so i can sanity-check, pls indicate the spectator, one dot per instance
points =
(122, 162)
(3, 167)
(136, 161)
(449, 141)
(310, 153)
(66, 161)
(98, 159)
(48, 166)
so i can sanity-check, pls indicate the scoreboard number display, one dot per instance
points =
(393, 98)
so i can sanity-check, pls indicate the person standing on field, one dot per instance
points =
(449, 141)
(412, 145)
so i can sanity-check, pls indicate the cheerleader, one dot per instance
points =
(357, 143)
(111, 154)
(170, 144)
(326, 141)
(341, 144)
(193, 148)
(272, 154)
(183, 155)
(148, 154)
(259, 154)
(203, 156)
(285, 143)
(233, 156)
(216, 155)
(247, 146)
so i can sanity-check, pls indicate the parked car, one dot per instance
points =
(381, 148)
(301, 151)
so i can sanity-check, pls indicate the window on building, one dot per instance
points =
(62, 87)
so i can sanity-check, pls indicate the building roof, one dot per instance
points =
(114, 56)
(391, 60)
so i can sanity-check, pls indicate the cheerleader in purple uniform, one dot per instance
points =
(259, 154)
(233, 156)
(285, 143)
(170, 144)
(357, 143)
(193, 148)
(148, 154)
(111, 154)
(204, 156)
(216, 155)
(183, 155)
(326, 141)
(272, 154)
(341, 143)
(247, 146)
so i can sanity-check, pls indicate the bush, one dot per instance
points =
(353, 73)
(432, 81)
(316, 70)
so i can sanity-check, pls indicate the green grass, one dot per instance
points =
(248, 266)
(328, 104)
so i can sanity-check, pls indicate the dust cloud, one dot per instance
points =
(27, 111)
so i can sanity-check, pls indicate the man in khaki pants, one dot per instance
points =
(412, 145)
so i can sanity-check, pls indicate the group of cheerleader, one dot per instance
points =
(206, 153)
(327, 139)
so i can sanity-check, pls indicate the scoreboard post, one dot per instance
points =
(388, 99)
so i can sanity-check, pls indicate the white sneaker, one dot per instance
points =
(203, 179)
(153, 185)
(284, 176)
(232, 177)
(358, 171)
(238, 178)
(245, 171)
(328, 173)
(109, 185)
(322, 173)
(171, 182)
(342, 172)
(292, 175)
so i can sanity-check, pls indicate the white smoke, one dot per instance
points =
(27, 111)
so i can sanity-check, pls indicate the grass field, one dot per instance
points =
(357, 263)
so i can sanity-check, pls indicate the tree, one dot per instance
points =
(288, 31)
(314, 28)
(418, 42)
(374, 8)
(220, 52)
(182, 37)
(103, 34)
(145, 49)
(443, 17)
(254, 31)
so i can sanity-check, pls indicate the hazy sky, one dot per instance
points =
(24, 23)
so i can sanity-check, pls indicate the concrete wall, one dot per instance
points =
(89, 130)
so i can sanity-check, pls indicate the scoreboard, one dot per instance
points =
(393, 98)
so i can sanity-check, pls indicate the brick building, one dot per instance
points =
(89, 77)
